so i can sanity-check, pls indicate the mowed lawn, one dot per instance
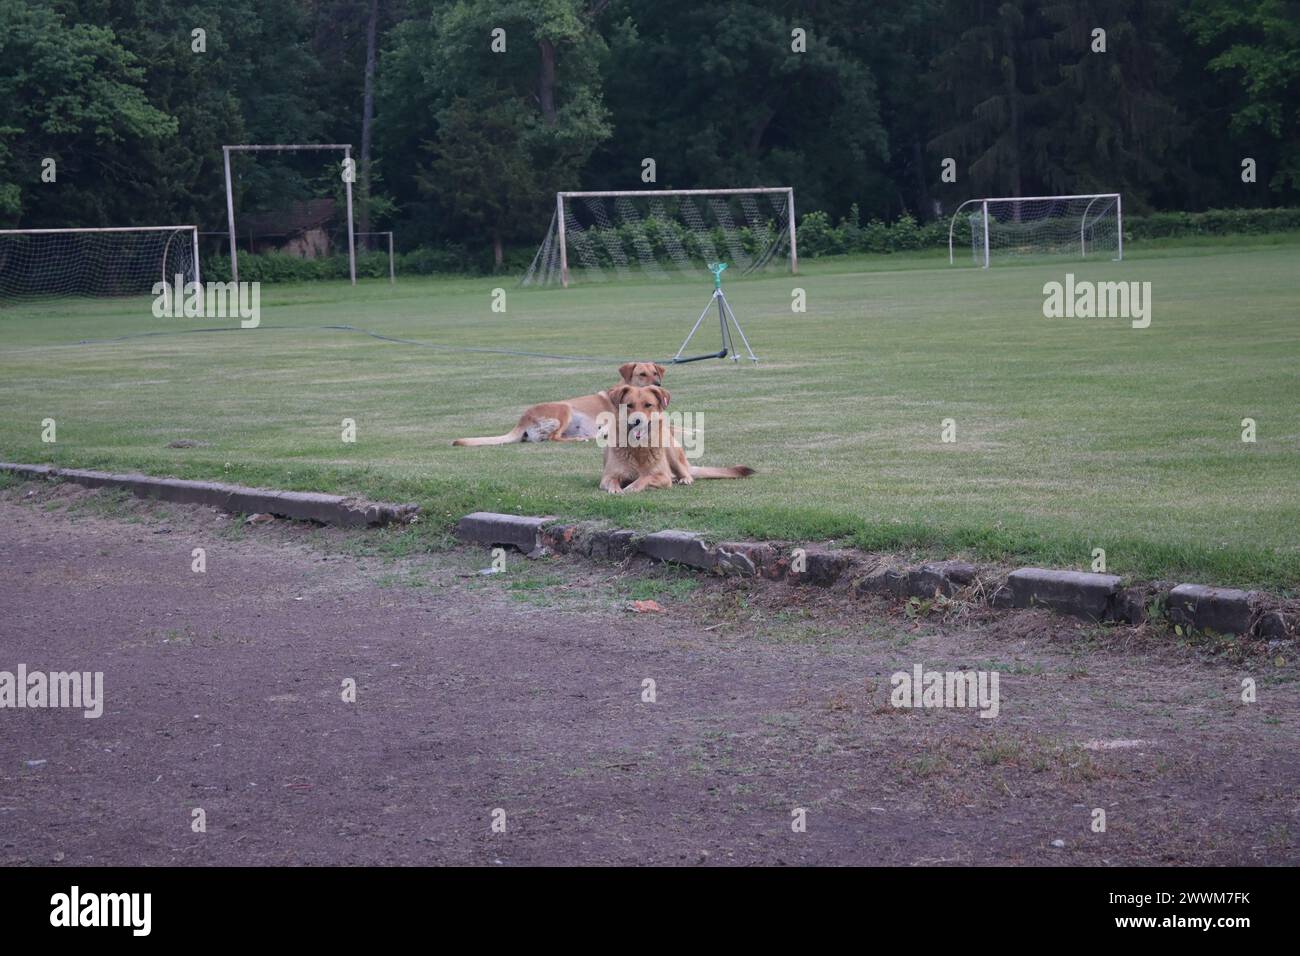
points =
(1071, 434)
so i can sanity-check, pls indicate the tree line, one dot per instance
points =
(467, 116)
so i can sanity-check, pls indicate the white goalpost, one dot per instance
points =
(110, 261)
(1017, 226)
(346, 149)
(599, 233)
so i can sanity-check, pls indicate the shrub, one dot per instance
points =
(1212, 222)
(817, 237)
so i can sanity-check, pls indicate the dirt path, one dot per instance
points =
(523, 691)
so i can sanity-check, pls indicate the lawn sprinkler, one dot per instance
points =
(726, 319)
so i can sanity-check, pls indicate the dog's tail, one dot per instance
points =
(515, 434)
(737, 471)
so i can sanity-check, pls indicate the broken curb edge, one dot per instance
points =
(1082, 594)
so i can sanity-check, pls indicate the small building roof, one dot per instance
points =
(297, 217)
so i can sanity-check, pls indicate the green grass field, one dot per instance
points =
(1071, 433)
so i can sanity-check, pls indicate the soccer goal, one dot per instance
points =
(118, 261)
(302, 222)
(1084, 226)
(606, 235)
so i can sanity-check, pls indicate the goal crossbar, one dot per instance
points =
(614, 193)
(284, 147)
(22, 232)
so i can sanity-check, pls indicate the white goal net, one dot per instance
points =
(36, 263)
(1086, 226)
(661, 232)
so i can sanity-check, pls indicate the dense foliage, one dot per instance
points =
(464, 147)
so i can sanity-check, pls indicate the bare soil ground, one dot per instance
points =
(522, 691)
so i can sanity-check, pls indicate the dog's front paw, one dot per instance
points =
(613, 487)
(686, 480)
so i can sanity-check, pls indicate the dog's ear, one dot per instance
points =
(625, 371)
(662, 394)
(618, 394)
(660, 370)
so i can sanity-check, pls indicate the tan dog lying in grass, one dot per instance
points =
(642, 452)
(573, 419)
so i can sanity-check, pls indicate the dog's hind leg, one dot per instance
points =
(541, 429)
(547, 422)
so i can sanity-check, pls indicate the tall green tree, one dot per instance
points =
(895, 40)
(1109, 119)
(724, 96)
(1254, 59)
(73, 93)
(483, 157)
(536, 99)
(137, 108)
(988, 83)
(1033, 101)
